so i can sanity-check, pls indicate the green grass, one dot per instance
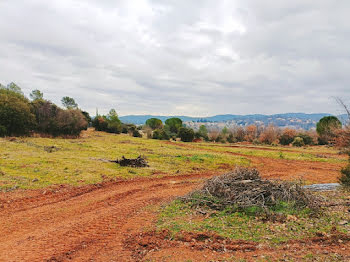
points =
(25, 164)
(179, 217)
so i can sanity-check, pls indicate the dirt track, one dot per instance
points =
(81, 224)
(90, 223)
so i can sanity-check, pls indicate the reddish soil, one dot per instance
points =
(98, 222)
(156, 246)
(308, 171)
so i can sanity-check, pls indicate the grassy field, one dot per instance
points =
(30, 163)
(26, 162)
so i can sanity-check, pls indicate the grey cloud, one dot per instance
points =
(180, 57)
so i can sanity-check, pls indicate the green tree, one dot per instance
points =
(173, 124)
(14, 88)
(186, 134)
(114, 124)
(36, 95)
(87, 117)
(203, 131)
(69, 102)
(16, 117)
(326, 128)
(154, 123)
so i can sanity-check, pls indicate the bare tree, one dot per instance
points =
(343, 138)
(342, 104)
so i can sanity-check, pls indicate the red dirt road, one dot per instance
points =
(91, 223)
(83, 224)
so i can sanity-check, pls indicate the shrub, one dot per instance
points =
(287, 136)
(308, 140)
(298, 142)
(186, 134)
(213, 134)
(239, 133)
(55, 121)
(128, 128)
(345, 175)
(220, 139)
(147, 130)
(100, 123)
(343, 138)
(269, 135)
(251, 133)
(3, 131)
(70, 122)
(16, 117)
(231, 138)
(136, 133)
(160, 134)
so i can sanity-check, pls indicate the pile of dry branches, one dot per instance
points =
(244, 188)
(132, 162)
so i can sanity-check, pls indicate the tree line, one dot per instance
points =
(326, 133)
(20, 116)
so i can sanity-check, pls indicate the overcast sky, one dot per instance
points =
(180, 57)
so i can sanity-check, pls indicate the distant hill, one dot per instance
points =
(293, 120)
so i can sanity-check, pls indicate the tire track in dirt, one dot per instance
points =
(86, 226)
(91, 222)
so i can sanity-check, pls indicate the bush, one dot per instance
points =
(109, 123)
(3, 131)
(186, 134)
(345, 176)
(231, 138)
(269, 135)
(287, 136)
(308, 140)
(70, 122)
(160, 134)
(128, 128)
(16, 117)
(298, 142)
(55, 121)
(100, 123)
(136, 133)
